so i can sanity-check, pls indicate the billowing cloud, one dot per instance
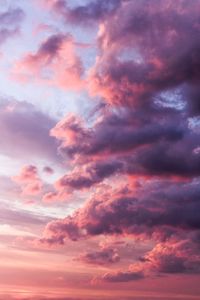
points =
(20, 218)
(145, 130)
(125, 213)
(140, 59)
(178, 257)
(165, 213)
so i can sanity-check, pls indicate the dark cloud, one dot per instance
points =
(55, 62)
(138, 63)
(29, 180)
(156, 142)
(49, 48)
(102, 257)
(86, 14)
(48, 170)
(120, 132)
(93, 174)
(140, 58)
(125, 213)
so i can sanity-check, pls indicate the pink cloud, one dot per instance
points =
(29, 180)
(56, 196)
(55, 63)
(27, 174)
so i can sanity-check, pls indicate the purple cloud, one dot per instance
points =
(10, 21)
(102, 257)
(27, 129)
(85, 14)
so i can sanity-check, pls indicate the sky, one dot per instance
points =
(99, 149)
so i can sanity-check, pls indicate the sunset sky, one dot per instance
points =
(99, 149)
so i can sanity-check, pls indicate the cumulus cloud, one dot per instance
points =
(177, 257)
(29, 180)
(140, 58)
(124, 212)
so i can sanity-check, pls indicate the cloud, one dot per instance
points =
(128, 143)
(28, 173)
(29, 180)
(144, 136)
(122, 276)
(123, 213)
(169, 257)
(149, 99)
(140, 59)
(10, 21)
(103, 256)
(174, 256)
(87, 14)
(118, 132)
(48, 170)
(92, 174)
(24, 126)
(54, 63)
(55, 196)
(16, 217)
